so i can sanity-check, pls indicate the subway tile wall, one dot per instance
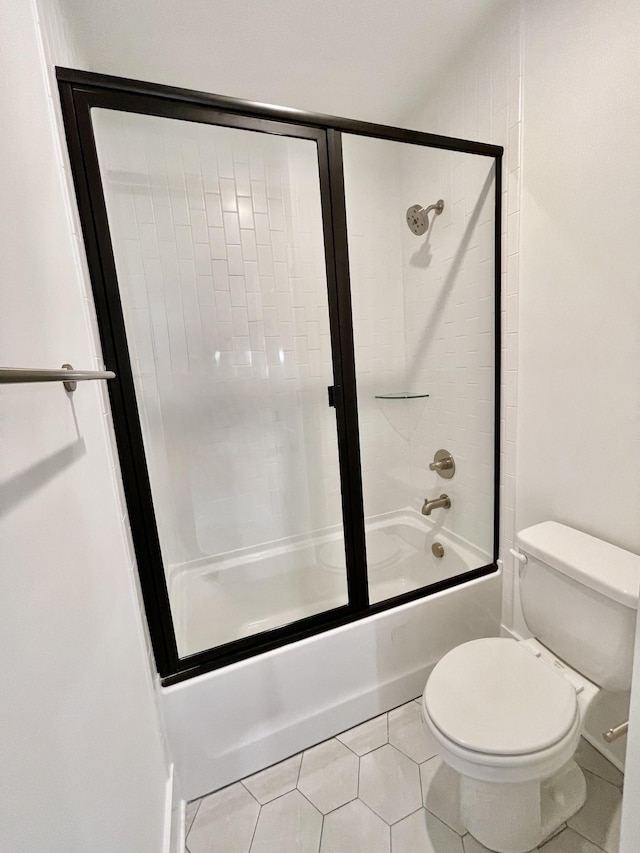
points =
(218, 245)
(374, 222)
(423, 323)
(478, 95)
(449, 277)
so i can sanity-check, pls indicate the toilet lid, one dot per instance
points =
(494, 696)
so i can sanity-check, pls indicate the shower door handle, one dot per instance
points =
(333, 392)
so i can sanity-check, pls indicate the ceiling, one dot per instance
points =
(370, 60)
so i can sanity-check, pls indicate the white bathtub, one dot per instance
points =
(243, 592)
(233, 721)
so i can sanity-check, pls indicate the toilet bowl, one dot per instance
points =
(507, 714)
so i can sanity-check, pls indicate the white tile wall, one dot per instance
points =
(478, 96)
(449, 286)
(218, 244)
(372, 192)
(423, 316)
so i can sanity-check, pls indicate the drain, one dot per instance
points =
(437, 549)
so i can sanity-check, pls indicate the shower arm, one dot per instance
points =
(438, 207)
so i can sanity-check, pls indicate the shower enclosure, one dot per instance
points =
(290, 356)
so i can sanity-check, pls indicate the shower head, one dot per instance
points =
(418, 216)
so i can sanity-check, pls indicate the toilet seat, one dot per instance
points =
(494, 697)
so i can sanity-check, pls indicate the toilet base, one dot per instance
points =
(516, 817)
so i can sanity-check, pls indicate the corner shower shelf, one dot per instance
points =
(400, 395)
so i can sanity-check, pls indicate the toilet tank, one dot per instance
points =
(579, 598)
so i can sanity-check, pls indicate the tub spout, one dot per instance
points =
(443, 501)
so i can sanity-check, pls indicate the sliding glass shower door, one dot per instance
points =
(290, 359)
(217, 236)
(424, 301)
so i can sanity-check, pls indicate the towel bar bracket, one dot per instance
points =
(70, 384)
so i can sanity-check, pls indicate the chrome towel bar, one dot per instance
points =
(66, 374)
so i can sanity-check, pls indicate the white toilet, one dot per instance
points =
(507, 714)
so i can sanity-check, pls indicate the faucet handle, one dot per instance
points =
(444, 464)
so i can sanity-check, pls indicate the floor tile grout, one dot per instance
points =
(302, 794)
(253, 834)
(377, 814)
(415, 811)
(194, 816)
(421, 790)
(577, 832)
(388, 799)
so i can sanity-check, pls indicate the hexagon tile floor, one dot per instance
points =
(378, 788)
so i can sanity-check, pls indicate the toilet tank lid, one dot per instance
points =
(603, 567)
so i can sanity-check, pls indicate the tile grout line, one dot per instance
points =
(442, 820)
(193, 820)
(577, 832)
(253, 834)
(251, 795)
(371, 808)
(415, 811)
(280, 796)
(301, 754)
(349, 748)
(337, 808)
(302, 794)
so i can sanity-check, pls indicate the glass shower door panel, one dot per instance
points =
(218, 242)
(424, 325)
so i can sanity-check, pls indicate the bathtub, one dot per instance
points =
(234, 721)
(243, 592)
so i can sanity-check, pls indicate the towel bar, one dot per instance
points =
(67, 375)
(616, 732)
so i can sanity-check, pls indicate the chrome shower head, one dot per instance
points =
(418, 216)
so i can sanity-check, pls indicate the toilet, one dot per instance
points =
(507, 714)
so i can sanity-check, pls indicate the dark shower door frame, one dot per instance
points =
(81, 91)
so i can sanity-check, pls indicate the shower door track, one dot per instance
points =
(80, 91)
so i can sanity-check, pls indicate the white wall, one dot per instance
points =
(580, 301)
(83, 766)
(362, 60)
(579, 359)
